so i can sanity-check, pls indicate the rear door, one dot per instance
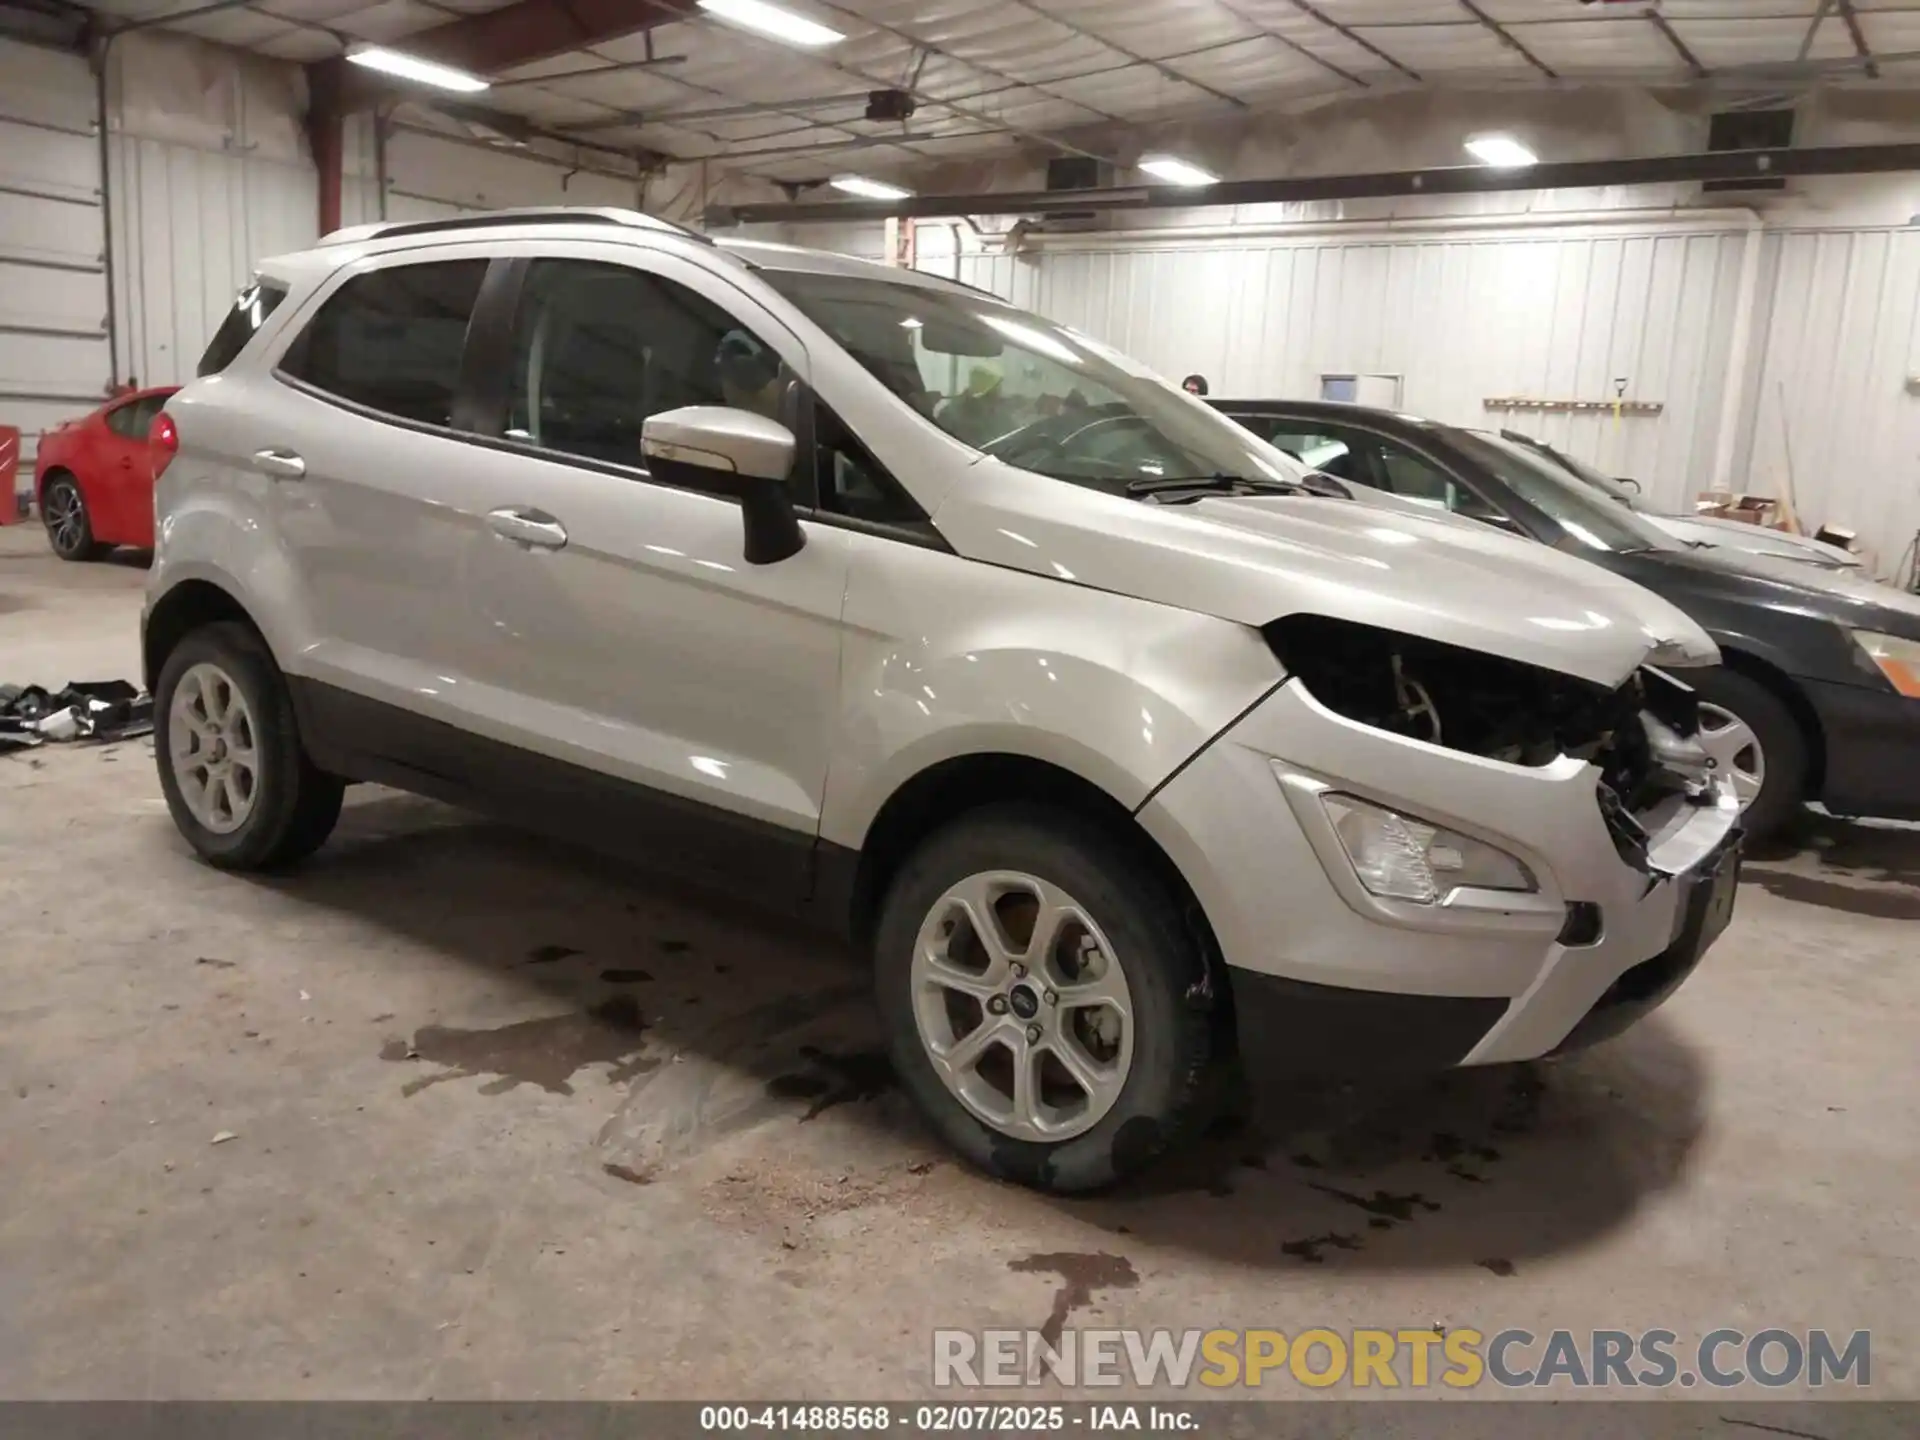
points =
(356, 445)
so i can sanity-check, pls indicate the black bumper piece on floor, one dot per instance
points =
(1291, 1031)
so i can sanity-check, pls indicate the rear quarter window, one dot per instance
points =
(250, 311)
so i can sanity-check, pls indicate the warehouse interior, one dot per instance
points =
(453, 1113)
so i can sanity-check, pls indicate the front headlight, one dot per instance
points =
(1398, 857)
(1897, 659)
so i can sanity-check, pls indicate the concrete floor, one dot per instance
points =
(443, 1049)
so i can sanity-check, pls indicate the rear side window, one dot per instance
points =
(125, 420)
(392, 339)
(135, 418)
(250, 311)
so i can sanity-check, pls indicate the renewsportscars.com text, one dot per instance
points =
(1412, 1359)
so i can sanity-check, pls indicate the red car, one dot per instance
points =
(93, 477)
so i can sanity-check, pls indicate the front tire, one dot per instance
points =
(63, 509)
(237, 780)
(1751, 732)
(1044, 1001)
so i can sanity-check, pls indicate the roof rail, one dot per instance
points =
(524, 215)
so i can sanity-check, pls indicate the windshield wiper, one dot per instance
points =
(1223, 484)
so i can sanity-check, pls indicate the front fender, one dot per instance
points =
(946, 658)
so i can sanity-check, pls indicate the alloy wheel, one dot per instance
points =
(1023, 1006)
(66, 517)
(1734, 748)
(213, 746)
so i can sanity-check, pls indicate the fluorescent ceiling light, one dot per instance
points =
(1176, 172)
(1503, 152)
(411, 67)
(869, 189)
(772, 20)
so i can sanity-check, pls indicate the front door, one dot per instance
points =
(615, 626)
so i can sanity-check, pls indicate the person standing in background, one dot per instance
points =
(1194, 385)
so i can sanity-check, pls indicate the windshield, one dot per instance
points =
(1027, 391)
(1583, 471)
(1583, 516)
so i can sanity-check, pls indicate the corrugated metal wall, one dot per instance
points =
(1460, 318)
(189, 225)
(430, 176)
(208, 172)
(1838, 353)
(53, 292)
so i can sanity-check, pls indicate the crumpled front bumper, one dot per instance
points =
(1291, 917)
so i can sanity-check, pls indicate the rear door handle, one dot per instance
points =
(526, 526)
(279, 464)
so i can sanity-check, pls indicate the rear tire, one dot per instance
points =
(1780, 747)
(63, 509)
(237, 780)
(1111, 1021)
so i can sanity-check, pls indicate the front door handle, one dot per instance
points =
(279, 464)
(526, 526)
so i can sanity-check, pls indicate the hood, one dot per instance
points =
(1256, 559)
(1755, 539)
(1846, 597)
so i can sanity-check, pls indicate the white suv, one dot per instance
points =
(1118, 744)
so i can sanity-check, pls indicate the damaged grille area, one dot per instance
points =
(1640, 734)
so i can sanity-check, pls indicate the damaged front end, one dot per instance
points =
(1642, 735)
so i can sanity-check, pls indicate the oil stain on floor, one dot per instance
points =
(1080, 1275)
(829, 1079)
(547, 1052)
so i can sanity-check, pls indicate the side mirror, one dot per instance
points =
(731, 452)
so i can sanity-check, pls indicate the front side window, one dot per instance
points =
(250, 311)
(393, 339)
(598, 348)
(1024, 390)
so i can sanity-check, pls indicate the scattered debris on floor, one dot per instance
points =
(223, 1137)
(102, 710)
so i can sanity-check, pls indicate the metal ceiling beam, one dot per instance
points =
(930, 48)
(1293, 45)
(1039, 137)
(531, 30)
(1355, 36)
(1134, 56)
(147, 22)
(1452, 180)
(1680, 47)
(855, 97)
(1861, 48)
(1507, 38)
(658, 62)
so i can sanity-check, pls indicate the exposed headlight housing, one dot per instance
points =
(1400, 857)
(1897, 659)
